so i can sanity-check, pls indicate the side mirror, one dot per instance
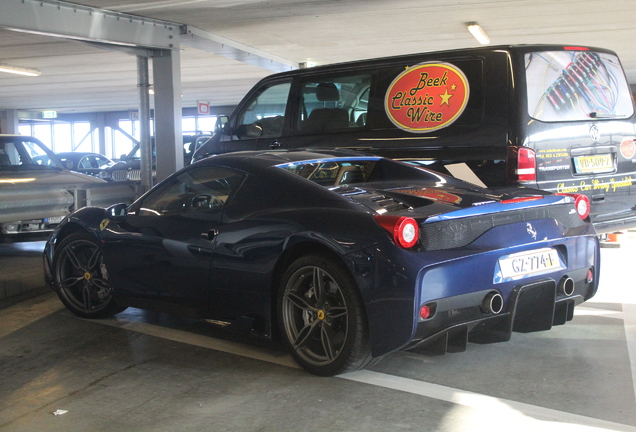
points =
(117, 212)
(68, 164)
(221, 124)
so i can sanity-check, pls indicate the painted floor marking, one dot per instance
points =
(629, 321)
(525, 416)
(27, 312)
(203, 341)
(514, 412)
(499, 411)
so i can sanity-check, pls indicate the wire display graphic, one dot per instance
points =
(576, 85)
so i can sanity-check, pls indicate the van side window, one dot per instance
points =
(333, 104)
(264, 115)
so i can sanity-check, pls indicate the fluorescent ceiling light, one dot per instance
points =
(479, 33)
(19, 70)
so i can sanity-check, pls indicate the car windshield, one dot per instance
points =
(19, 153)
(333, 172)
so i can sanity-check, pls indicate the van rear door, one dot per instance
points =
(581, 127)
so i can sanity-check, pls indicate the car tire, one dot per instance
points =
(81, 278)
(325, 329)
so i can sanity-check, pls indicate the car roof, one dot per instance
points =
(77, 154)
(254, 162)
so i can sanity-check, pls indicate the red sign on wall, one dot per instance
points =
(203, 108)
(427, 97)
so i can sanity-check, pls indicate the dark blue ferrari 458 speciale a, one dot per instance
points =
(346, 257)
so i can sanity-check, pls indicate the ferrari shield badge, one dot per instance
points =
(427, 97)
(104, 224)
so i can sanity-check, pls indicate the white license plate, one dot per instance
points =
(594, 164)
(533, 262)
(56, 219)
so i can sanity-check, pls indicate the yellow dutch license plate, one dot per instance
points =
(594, 164)
(528, 263)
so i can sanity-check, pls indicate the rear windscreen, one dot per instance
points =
(333, 172)
(576, 85)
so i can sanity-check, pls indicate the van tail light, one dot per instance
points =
(404, 230)
(581, 203)
(522, 164)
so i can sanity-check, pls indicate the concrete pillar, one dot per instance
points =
(9, 122)
(145, 146)
(168, 134)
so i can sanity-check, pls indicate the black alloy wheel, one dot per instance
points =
(322, 317)
(81, 277)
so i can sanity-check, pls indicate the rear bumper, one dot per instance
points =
(535, 306)
(612, 225)
(455, 282)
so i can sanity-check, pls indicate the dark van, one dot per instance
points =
(558, 118)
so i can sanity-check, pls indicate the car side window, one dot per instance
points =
(264, 115)
(202, 189)
(8, 154)
(23, 152)
(332, 104)
(102, 162)
(85, 163)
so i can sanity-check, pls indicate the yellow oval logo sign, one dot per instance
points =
(427, 97)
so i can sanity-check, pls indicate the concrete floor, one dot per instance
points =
(143, 371)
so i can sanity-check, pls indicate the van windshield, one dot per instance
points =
(576, 85)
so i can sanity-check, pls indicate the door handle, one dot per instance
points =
(275, 145)
(210, 235)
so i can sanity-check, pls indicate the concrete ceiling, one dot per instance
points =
(77, 77)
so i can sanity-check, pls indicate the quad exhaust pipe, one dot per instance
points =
(492, 303)
(566, 285)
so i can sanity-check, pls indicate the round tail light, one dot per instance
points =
(581, 203)
(405, 230)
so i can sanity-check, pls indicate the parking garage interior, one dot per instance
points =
(142, 370)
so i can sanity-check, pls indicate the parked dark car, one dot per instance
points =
(85, 162)
(128, 167)
(192, 143)
(347, 257)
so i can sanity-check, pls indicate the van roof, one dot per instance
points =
(519, 48)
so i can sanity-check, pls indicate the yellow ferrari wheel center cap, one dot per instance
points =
(321, 314)
(87, 276)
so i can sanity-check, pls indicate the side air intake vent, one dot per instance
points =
(388, 204)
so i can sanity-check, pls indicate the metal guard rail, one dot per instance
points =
(20, 203)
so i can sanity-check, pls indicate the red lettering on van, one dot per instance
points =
(427, 97)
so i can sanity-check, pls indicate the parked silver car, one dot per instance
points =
(36, 189)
